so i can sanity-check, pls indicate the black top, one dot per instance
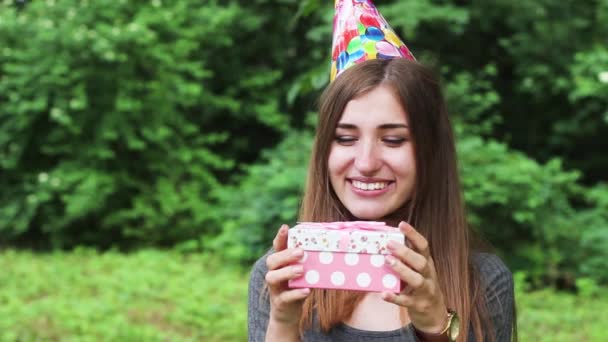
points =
(496, 278)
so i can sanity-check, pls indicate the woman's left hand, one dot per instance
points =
(422, 296)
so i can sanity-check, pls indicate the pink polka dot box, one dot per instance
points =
(345, 255)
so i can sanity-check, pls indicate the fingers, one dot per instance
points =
(280, 241)
(282, 267)
(283, 258)
(290, 296)
(413, 304)
(278, 277)
(408, 256)
(414, 279)
(399, 299)
(418, 241)
(281, 296)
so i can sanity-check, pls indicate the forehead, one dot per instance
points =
(375, 107)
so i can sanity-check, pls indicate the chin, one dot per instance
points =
(368, 215)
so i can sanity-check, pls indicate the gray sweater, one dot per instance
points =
(499, 295)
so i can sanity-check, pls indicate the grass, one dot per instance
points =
(166, 296)
(546, 315)
(145, 296)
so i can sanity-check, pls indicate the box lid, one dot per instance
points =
(350, 236)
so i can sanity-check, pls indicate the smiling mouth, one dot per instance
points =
(369, 186)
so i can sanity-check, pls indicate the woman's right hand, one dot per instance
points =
(285, 303)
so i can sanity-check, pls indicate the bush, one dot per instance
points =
(267, 196)
(113, 113)
(527, 210)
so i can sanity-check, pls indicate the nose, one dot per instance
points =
(368, 159)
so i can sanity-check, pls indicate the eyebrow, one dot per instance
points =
(383, 126)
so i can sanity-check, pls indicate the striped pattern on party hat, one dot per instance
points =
(361, 33)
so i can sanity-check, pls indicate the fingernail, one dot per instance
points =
(297, 252)
(298, 269)
(305, 291)
(391, 260)
(391, 244)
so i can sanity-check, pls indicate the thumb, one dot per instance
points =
(280, 241)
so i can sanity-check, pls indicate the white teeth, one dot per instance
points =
(370, 186)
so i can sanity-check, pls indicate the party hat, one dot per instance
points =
(361, 33)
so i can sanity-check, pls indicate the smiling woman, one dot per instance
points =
(384, 151)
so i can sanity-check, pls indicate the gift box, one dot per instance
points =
(345, 255)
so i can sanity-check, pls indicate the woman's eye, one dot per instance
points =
(345, 139)
(395, 141)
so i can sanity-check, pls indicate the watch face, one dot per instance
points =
(454, 329)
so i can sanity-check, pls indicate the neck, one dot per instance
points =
(388, 316)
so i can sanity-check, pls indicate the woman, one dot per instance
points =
(384, 151)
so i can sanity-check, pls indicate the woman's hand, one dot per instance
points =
(285, 303)
(422, 296)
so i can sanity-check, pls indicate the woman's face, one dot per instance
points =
(371, 161)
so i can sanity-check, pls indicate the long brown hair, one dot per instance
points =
(436, 208)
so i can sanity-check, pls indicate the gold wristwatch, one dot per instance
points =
(453, 326)
(451, 330)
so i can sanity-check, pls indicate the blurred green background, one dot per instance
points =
(149, 150)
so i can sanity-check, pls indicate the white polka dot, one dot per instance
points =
(377, 260)
(363, 279)
(326, 257)
(337, 278)
(351, 259)
(389, 281)
(312, 277)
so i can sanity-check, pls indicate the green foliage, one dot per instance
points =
(424, 11)
(525, 209)
(593, 223)
(473, 101)
(268, 196)
(550, 56)
(118, 117)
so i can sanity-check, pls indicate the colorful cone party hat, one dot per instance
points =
(361, 33)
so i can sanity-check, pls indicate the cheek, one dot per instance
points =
(411, 161)
(404, 163)
(337, 162)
